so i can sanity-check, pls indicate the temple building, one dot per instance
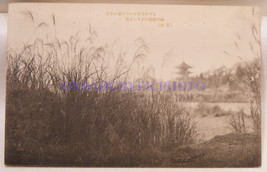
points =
(183, 71)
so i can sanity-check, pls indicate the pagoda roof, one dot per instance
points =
(183, 66)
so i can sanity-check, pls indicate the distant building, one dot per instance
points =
(183, 71)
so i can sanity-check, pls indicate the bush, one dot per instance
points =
(49, 126)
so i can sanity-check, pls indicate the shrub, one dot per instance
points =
(49, 126)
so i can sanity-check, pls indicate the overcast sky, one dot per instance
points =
(204, 37)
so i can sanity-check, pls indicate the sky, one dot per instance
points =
(205, 37)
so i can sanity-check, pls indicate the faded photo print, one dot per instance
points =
(113, 85)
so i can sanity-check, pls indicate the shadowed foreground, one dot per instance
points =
(231, 150)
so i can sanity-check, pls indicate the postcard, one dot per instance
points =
(131, 85)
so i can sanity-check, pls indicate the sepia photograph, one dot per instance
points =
(133, 85)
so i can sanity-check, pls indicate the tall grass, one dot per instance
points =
(237, 122)
(46, 125)
(248, 76)
(251, 81)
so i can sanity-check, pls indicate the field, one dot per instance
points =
(216, 122)
(47, 125)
